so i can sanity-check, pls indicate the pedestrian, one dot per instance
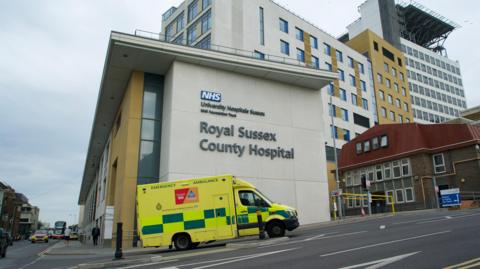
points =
(95, 235)
(68, 231)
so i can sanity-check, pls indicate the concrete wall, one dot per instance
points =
(294, 114)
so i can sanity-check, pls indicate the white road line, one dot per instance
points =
(444, 219)
(462, 264)
(147, 264)
(383, 243)
(380, 263)
(246, 258)
(318, 236)
(31, 263)
(306, 240)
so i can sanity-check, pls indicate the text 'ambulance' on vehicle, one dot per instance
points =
(189, 212)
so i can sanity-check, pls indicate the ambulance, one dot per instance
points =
(186, 213)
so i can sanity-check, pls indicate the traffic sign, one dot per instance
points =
(450, 197)
(336, 193)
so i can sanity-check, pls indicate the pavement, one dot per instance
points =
(420, 239)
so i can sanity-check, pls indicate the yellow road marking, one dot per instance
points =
(468, 263)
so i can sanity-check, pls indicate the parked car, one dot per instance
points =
(39, 236)
(3, 243)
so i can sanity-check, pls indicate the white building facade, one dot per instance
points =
(272, 32)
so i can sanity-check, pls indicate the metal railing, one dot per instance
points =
(470, 195)
(223, 49)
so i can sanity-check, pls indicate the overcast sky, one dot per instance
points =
(52, 55)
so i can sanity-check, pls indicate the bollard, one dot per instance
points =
(261, 232)
(118, 249)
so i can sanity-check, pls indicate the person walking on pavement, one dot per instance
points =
(68, 231)
(95, 235)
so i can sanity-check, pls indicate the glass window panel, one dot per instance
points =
(150, 130)
(149, 163)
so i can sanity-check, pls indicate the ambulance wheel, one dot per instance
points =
(275, 229)
(182, 241)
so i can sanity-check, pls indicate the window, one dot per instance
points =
(379, 78)
(330, 89)
(404, 91)
(394, 72)
(361, 68)
(388, 83)
(300, 55)
(339, 56)
(375, 45)
(343, 94)
(352, 81)
(327, 49)
(381, 94)
(299, 33)
(262, 26)
(409, 197)
(384, 141)
(375, 143)
(344, 113)
(193, 10)
(358, 148)
(396, 169)
(392, 116)
(439, 163)
(350, 62)
(364, 103)
(366, 146)
(334, 132)
(387, 170)
(346, 135)
(390, 99)
(400, 118)
(341, 75)
(313, 42)
(329, 66)
(206, 3)
(395, 87)
(379, 173)
(332, 110)
(284, 47)
(399, 196)
(249, 198)
(384, 112)
(402, 78)
(397, 103)
(259, 55)
(283, 25)
(405, 167)
(390, 197)
(363, 85)
(354, 99)
(385, 67)
(315, 62)
(349, 180)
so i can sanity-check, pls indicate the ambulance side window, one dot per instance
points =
(249, 198)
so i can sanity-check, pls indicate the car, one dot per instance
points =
(74, 236)
(3, 243)
(39, 236)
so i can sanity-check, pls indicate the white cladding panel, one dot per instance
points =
(292, 113)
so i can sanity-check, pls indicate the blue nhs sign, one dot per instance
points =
(211, 96)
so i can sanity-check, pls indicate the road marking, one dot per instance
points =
(246, 258)
(471, 266)
(463, 263)
(310, 239)
(31, 263)
(383, 243)
(443, 219)
(314, 237)
(380, 263)
(147, 264)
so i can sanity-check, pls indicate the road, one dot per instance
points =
(429, 239)
(421, 240)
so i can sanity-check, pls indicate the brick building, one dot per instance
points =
(406, 161)
(10, 208)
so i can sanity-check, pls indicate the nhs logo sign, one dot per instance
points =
(211, 96)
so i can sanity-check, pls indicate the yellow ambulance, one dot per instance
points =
(189, 212)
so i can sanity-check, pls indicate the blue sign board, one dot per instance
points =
(450, 197)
